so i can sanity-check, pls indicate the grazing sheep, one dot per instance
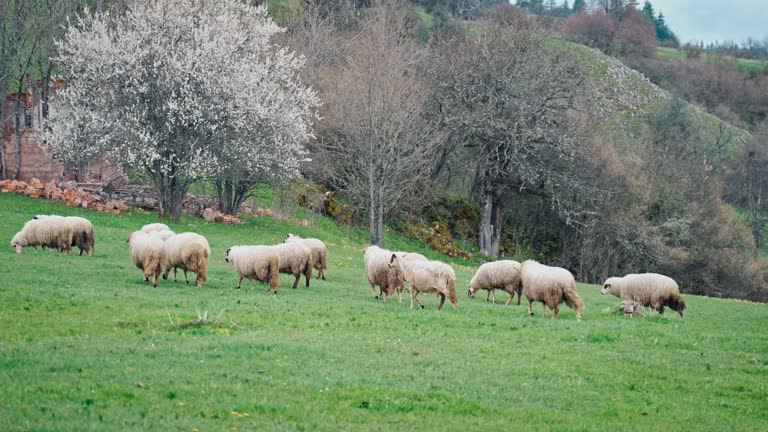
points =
(190, 252)
(295, 259)
(82, 231)
(503, 274)
(255, 262)
(319, 252)
(148, 254)
(154, 227)
(163, 235)
(379, 274)
(429, 277)
(650, 289)
(551, 286)
(52, 232)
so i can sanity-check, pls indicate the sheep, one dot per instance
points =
(319, 252)
(82, 231)
(551, 286)
(504, 274)
(51, 232)
(148, 254)
(379, 274)
(154, 227)
(427, 276)
(255, 262)
(295, 259)
(190, 252)
(396, 276)
(650, 289)
(163, 235)
(631, 308)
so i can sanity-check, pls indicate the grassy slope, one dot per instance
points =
(86, 345)
(744, 65)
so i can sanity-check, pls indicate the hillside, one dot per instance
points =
(86, 345)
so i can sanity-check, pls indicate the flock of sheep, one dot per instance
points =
(155, 250)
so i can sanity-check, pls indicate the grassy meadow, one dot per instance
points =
(85, 344)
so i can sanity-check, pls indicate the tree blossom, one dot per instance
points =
(182, 89)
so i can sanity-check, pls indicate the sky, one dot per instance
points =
(713, 20)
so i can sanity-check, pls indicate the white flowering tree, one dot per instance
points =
(183, 90)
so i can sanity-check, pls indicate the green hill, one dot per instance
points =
(86, 345)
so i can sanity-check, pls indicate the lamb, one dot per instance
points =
(504, 274)
(190, 252)
(427, 276)
(379, 273)
(319, 252)
(148, 253)
(295, 259)
(255, 262)
(154, 227)
(82, 231)
(397, 276)
(650, 289)
(551, 286)
(52, 232)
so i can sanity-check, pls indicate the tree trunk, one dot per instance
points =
(82, 173)
(171, 193)
(485, 230)
(231, 194)
(372, 207)
(3, 162)
(380, 222)
(17, 142)
(497, 219)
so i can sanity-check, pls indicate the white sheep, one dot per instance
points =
(163, 235)
(319, 252)
(551, 286)
(427, 276)
(379, 273)
(82, 231)
(148, 254)
(148, 228)
(190, 252)
(650, 289)
(503, 275)
(295, 259)
(397, 276)
(52, 232)
(255, 262)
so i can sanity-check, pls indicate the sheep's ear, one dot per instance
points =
(391, 260)
(228, 251)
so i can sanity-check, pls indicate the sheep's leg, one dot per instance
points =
(544, 309)
(661, 310)
(239, 282)
(511, 296)
(251, 280)
(373, 290)
(399, 293)
(442, 300)
(578, 315)
(493, 294)
(81, 251)
(174, 274)
(186, 279)
(557, 311)
(530, 309)
(487, 297)
(296, 282)
(154, 280)
(413, 297)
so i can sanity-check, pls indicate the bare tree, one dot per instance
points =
(511, 101)
(751, 176)
(374, 134)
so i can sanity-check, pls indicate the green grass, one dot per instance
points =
(86, 345)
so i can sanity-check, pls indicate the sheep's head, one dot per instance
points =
(16, 243)
(291, 237)
(226, 257)
(609, 287)
(394, 261)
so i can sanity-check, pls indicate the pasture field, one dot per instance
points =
(85, 344)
